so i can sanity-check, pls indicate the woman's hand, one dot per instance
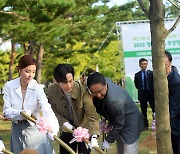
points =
(4, 118)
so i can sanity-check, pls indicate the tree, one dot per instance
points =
(13, 54)
(156, 16)
(64, 29)
(4, 67)
(38, 25)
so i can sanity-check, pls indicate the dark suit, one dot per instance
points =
(174, 108)
(121, 111)
(145, 96)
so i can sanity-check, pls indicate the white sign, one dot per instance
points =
(136, 40)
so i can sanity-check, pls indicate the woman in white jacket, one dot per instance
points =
(25, 94)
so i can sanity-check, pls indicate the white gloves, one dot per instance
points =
(68, 125)
(1, 146)
(105, 145)
(94, 142)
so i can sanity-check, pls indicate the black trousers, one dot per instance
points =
(67, 137)
(147, 97)
(175, 140)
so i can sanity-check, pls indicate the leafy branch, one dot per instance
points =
(175, 25)
(143, 8)
(15, 14)
(173, 3)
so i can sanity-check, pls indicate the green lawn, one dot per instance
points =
(6, 126)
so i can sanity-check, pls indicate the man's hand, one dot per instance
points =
(105, 145)
(68, 125)
(94, 142)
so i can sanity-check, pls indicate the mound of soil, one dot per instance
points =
(149, 142)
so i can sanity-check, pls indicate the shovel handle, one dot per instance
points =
(63, 144)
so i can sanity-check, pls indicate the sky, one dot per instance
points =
(117, 2)
(114, 2)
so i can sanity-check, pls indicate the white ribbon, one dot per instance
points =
(1, 146)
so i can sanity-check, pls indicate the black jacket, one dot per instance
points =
(121, 111)
(174, 101)
(139, 84)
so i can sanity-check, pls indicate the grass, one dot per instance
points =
(5, 128)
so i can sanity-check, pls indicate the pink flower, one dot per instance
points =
(80, 134)
(104, 127)
(43, 125)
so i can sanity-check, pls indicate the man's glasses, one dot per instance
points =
(98, 92)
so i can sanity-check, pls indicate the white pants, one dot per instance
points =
(126, 148)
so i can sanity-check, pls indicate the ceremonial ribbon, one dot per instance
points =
(104, 127)
(80, 134)
(43, 125)
(1, 146)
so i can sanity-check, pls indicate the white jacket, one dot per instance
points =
(35, 100)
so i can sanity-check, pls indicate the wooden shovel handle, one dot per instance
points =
(63, 144)
(6, 151)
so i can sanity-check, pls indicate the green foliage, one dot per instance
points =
(109, 61)
(70, 31)
(4, 67)
(171, 10)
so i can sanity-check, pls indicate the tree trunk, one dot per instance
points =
(39, 63)
(25, 48)
(30, 47)
(158, 35)
(13, 53)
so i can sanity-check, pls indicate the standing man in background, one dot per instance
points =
(144, 83)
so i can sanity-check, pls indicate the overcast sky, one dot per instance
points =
(115, 2)
(118, 2)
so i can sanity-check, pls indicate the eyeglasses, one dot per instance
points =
(98, 92)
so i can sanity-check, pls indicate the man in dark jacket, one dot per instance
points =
(174, 102)
(115, 105)
(144, 83)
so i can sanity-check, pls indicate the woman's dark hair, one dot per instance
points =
(142, 59)
(168, 55)
(95, 78)
(25, 61)
(61, 71)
